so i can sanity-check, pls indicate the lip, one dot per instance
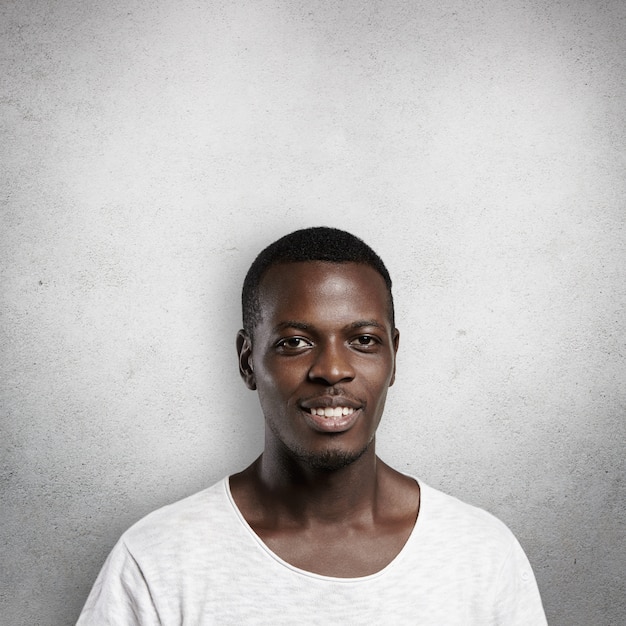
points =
(324, 402)
(331, 425)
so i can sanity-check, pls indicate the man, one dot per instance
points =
(318, 530)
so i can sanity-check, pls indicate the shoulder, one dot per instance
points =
(474, 555)
(461, 527)
(163, 558)
(182, 522)
(447, 508)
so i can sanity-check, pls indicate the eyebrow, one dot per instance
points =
(304, 326)
(292, 324)
(362, 323)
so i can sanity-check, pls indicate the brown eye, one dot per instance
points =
(365, 341)
(293, 343)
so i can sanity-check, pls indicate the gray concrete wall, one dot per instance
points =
(149, 149)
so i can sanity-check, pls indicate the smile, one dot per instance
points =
(331, 419)
(330, 411)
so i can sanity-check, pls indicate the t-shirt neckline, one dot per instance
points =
(335, 579)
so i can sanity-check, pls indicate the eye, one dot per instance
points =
(365, 341)
(293, 344)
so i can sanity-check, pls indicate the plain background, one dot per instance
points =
(151, 149)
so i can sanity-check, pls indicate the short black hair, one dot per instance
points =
(319, 243)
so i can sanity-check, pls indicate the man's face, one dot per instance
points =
(322, 359)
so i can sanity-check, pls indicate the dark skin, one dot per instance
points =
(318, 496)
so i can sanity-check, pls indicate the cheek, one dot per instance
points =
(379, 375)
(276, 383)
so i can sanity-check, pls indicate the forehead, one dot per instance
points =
(316, 291)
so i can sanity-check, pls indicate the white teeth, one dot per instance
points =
(329, 411)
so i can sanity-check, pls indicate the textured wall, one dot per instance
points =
(150, 149)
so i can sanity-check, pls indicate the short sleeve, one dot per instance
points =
(516, 599)
(120, 594)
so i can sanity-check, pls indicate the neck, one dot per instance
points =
(304, 491)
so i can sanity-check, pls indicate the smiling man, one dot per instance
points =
(318, 530)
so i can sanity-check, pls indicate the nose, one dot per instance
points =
(332, 365)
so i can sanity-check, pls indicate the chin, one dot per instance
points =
(330, 460)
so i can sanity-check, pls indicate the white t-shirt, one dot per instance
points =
(198, 562)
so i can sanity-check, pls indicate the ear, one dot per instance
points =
(244, 351)
(396, 343)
